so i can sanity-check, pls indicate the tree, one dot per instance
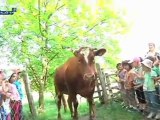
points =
(39, 32)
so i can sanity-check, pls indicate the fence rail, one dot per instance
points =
(104, 86)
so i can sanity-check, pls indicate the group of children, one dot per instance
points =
(139, 81)
(10, 97)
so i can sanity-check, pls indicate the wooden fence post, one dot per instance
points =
(103, 84)
(110, 94)
(29, 95)
(99, 91)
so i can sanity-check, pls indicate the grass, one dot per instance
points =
(114, 111)
(50, 112)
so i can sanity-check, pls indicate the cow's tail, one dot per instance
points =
(61, 96)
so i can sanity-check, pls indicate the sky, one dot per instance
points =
(146, 28)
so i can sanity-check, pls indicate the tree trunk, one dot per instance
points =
(29, 95)
(41, 98)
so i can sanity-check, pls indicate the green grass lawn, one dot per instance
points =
(50, 112)
(114, 111)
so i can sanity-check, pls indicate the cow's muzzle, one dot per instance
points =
(89, 77)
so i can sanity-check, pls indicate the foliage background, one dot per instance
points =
(41, 33)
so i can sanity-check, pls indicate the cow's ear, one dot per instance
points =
(76, 53)
(99, 52)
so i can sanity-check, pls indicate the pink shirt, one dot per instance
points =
(14, 95)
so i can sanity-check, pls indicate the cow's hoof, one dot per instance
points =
(75, 118)
(59, 117)
(92, 118)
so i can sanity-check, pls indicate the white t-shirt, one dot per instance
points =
(6, 106)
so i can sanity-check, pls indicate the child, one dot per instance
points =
(156, 68)
(18, 85)
(129, 86)
(15, 102)
(138, 83)
(149, 89)
(4, 99)
(121, 74)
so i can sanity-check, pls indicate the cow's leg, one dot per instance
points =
(75, 103)
(70, 104)
(72, 100)
(59, 105)
(92, 110)
(64, 104)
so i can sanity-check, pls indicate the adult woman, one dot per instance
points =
(152, 50)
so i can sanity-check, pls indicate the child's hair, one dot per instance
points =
(130, 66)
(10, 79)
(152, 58)
(125, 62)
(141, 59)
(118, 64)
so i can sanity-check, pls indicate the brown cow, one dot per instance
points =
(77, 76)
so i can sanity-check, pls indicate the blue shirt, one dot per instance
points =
(19, 88)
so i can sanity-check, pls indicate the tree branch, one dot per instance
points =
(52, 58)
(34, 75)
(39, 18)
(45, 76)
(57, 4)
(35, 81)
(46, 3)
(46, 70)
(90, 28)
(60, 7)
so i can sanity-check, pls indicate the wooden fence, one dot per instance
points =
(105, 88)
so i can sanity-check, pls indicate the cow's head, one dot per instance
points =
(86, 60)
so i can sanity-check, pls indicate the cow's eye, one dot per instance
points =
(92, 59)
(79, 61)
(82, 54)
